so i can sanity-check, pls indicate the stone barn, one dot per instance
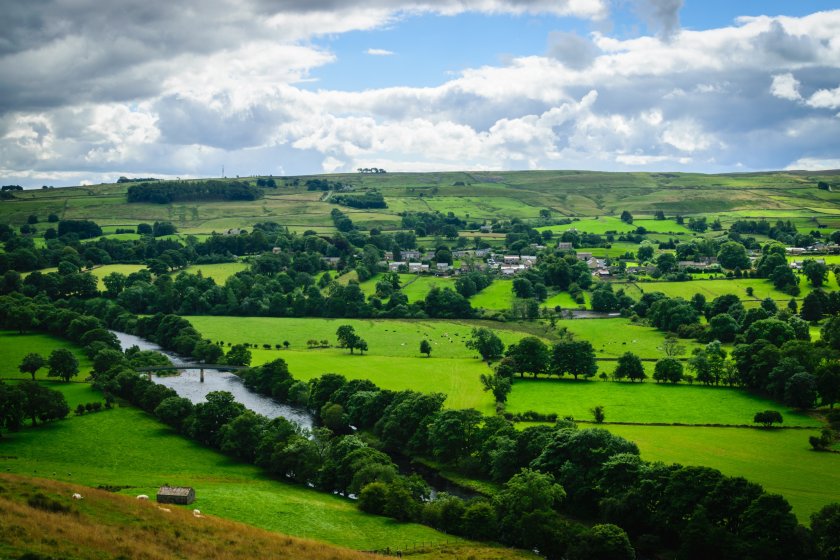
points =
(176, 495)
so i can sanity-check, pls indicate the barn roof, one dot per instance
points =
(174, 490)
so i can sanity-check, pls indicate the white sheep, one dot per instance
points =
(142, 497)
(197, 513)
(77, 496)
(167, 510)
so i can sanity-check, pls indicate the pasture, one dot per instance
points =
(779, 460)
(646, 402)
(714, 288)
(389, 337)
(126, 447)
(14, 346)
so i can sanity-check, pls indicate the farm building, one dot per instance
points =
(176, 495)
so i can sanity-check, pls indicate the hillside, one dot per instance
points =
(106, 525)
(470, 196)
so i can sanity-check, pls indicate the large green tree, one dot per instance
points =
(63, 364)
(573, 357)
(629, 366)
(31, 363)
(529, 355)
(486, 343)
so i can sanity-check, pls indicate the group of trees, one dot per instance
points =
(182, 191)
(29, 400)
(366, 199)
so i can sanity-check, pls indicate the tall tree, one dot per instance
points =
(629, 366)
(486, 343)
(31, 363)
(63, 364)
(529, 355)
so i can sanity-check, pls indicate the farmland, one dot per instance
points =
(780, 460)
(279, 314)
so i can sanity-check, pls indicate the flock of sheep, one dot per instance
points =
(144, 498)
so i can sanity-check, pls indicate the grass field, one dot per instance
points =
(14, 346)
(713, 288)
(613, 337)
(219, 272)
(646, 402)
(779, 460)
(126, 447)
(498, 295)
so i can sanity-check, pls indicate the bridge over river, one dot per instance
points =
(201, 367)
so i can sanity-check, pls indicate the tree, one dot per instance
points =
(629, 366)
(801, 390)
(626, 217)
(63, 364)
(576, 358)
(499, 385)
(11, 408)
(426, 348)
(347, 337)
(815, 272)
(666, 262)
(668, 369)
(825, 526)
(598, 414)
(672, 347)
(768, 417)
(604, 542)
(733, 255)
(31, 363)
(526, 492)
(645, 252)
(828, 382)
(486, 343)
(530, 355)
(724, 327)
(238, 355)
(812, 306)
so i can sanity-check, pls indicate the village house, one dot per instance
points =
(394, 266)
(410, 254)
(582, 256)
(388, 255)
(442, 267)
(416, 267)
(564, 245)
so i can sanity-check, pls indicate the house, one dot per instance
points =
(442, 266)
(584, 256)
(511, 259)
(486, 229)
(528, 260)
(564, 245)
(277, 250)
(389, 255)
(234, 231)
(482, 252)
(394, 266)
(182, 495)
(795, 250)
(331, 261)
(416, 267)
(510, 270)
(410, 255)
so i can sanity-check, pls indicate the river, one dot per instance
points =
(187, 384)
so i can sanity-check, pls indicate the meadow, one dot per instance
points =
(780, 460)
(126, 447)
(714, 288)
(646, 402)
(14, 346)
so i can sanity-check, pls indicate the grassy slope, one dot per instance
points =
(105, 525)
(779, 460)
(126, 447)
(14, 346)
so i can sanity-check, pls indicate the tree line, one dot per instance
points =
(166, 192)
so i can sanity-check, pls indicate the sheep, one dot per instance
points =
(77, 496)
(167, 510)
(142, 497)
(197, 513)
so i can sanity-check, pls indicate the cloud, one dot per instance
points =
(571, 49)
(814, 164)
(379, 52)
(172, 89)
(785, 86)
(825, 99)
(663, 16)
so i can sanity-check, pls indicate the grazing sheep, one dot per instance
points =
(197, 513)
(77, 496)
(142, 497)
(167, 510)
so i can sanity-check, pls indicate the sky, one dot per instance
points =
(91, 90)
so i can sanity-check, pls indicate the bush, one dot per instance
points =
(45, 503)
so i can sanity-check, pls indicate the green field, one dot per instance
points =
(604, 224)
(126, 447)
(219, 272)
(779, 460)
(392, 362)
(713, 288)
(498, 295)
(14, 346)
(646, 402)
(613, 337)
